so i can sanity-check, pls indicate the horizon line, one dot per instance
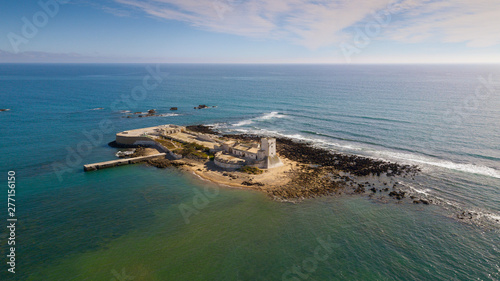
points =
(270, 63)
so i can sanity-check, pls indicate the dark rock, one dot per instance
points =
(116, 145)
(397, 194)
(140, 151)
(160, 163)
(359, 190)
(465, 215)
(373, 189)
(251, 183)
(173, 108)
(4, 109)
(152, 111)
(201, 129)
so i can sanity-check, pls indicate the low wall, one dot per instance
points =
(131, 140)
(160, 147)
(232, 166)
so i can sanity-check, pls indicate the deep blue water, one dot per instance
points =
(444, 118)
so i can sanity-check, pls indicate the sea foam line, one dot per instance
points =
(412, 158)
(468, 168)
(266, 116)
(388, 155)
(168, 115)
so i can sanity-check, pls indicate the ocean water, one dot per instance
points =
(141, 223)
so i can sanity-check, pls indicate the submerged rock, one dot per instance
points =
(397, 194)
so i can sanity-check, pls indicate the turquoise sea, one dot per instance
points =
(127, 223)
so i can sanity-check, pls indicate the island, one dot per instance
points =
(285, 169)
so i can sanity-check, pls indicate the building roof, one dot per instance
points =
(246, 148)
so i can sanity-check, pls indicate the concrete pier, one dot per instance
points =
(120, 162)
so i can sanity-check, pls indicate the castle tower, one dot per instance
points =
(269, 146)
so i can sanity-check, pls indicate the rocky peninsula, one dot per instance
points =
(307, 171)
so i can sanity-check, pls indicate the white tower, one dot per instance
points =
(269, 146)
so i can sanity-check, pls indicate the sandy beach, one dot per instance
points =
(269, 179)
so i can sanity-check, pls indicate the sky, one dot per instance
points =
(250, 31)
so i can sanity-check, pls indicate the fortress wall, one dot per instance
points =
(130, 140)
(227, 165)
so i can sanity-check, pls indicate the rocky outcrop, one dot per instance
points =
(203, 106)
(307, 182)
(4, 109)
(252, 183)
(149, 113)
(423, 201)
(173, 108)
(306, 152)
(397, 194)
(202, 129)
(165, 163)
(114, 144)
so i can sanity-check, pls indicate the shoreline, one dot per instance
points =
(308, 172)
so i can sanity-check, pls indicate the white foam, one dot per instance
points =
(168, 115)
(411, 187)
(493, 217)
(266, 116)
(388, 155)
(322, 142)
(468, 168)
(243, 123)
(271, 115)
(412, 158)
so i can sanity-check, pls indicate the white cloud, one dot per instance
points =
(309, 23)
(321, 23)
(475, 22)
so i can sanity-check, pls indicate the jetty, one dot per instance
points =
(120, 162)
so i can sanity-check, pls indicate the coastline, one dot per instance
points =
(269, 179)
(308, 172)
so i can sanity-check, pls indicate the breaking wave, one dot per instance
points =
(266, 116)
(462, 167)
(407, 158)
(168, 115)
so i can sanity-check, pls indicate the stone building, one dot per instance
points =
(235, 154)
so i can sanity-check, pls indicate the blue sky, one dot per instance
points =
(251, 31)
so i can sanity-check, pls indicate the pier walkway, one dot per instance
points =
(120, 162)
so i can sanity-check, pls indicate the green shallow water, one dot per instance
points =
(121, 229)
